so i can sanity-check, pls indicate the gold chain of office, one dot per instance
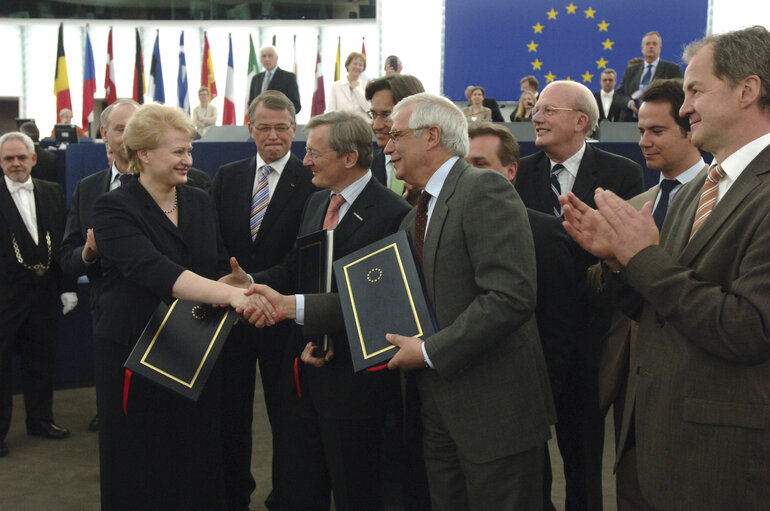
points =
(38, 268)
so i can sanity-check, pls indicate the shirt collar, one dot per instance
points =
(436, 181)
(354, 189)
(572, 164)
(735, 163)
(13, 186)
(689, 174)
(277, 166)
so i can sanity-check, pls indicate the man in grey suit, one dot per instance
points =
(637, 76)
(486, 402)
(695, 425)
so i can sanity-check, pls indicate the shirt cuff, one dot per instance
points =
(424, 353)
(300, 319)
(250, 277)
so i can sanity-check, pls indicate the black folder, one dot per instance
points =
(381, 292)
(315, 256)
(180, 344)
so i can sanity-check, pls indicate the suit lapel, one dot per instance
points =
(746, 183)
(585, 181)
(152, 209)
(358, 214)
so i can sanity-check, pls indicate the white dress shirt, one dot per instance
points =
(24, 198)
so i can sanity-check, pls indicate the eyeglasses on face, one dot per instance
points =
(395, 135)
(314, 155)
(266, 128)
(550, 111)
(384, 116)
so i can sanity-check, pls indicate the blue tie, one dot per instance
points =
(646, 77)
(659, 215)
(556, 188)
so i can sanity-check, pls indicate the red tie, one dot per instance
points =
(708, 197)
(420, 223)
(332, 217)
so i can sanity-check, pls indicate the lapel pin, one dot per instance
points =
(357, 216)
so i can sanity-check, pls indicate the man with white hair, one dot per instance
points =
(32, 215)
(565, 114)
(274, 78)
(486, 402)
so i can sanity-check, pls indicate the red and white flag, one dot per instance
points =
(319, 96)
(228, 114)
(110, 94)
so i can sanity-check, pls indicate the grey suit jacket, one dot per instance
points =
(700, 378)
(490, 383)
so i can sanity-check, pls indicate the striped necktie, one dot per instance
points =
(259, 201)
(556, 188)
(708, 197)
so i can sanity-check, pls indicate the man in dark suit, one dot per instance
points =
(486, 402)
(697, 400)
(236, 192)
(45, 168)
(384, 93)
(613, 106)
(32, 216)
(637, 76)
(274, 78)
(566, 112)
(333, 417)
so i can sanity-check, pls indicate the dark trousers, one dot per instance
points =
(245, 347)
(29, 328)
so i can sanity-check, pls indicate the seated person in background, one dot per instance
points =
(65, 117)
(204, 115)
(490, 103)
(349, 93)
(526, 103)
(477, 111)
(527, 84)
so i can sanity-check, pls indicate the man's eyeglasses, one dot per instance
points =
(266, 128)
(384, 116)
(397, 134)
(314, 155)
(550, 111)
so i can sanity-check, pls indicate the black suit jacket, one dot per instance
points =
(50, 208)
(232, 193)
(80, 219)
(633, 75)
(143, 254)
(378, 167)
(336, 390)
(619, 110)
(45, 168)
(283, 81)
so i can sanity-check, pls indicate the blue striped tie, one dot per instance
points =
(556, 188)
(260, 201)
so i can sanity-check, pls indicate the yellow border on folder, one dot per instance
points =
(408, 292)
(191, 384)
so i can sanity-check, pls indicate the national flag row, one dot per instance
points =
(154, 86)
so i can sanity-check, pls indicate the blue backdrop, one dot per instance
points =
(495, 43)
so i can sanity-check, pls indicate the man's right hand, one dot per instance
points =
(90, 252)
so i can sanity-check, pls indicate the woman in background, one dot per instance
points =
(524, 109)
(205, 114)
(477, 111)
(349, 93)
(158, 239)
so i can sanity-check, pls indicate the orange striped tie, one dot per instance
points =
(708, 197)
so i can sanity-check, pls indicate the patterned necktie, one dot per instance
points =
(646, 78)
(259, 201)
(665, 193)
(556, 188)
(708, 197)
(332, 217)
(420, 223)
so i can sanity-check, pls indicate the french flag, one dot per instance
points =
(228, 114)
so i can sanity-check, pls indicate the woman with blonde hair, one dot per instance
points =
(524, 109)
(158, 239)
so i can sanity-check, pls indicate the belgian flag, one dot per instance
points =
(61, 85)
(139, 87)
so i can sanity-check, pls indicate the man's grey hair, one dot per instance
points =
(18, 135)
(610, 71)
(104, 117)
(653, 32)
(433, 110)
(348, 132)
(272, 100)
(268, 46)
(738, 54)
(584, 101)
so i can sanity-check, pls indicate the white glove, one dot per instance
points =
(69, 301)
